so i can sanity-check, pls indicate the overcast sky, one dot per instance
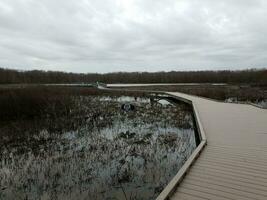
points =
(133, 35)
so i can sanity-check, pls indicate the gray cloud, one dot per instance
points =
(133, 35)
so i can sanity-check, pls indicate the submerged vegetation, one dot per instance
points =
(59, 143)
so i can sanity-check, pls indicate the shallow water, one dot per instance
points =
(131, 156)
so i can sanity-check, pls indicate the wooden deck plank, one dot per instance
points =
(229, 181)
(233, 164)
(198, 193)
(236, 170)
(228, 187)
(217, 173)
(241, 151)
(212, 190)
(231, 192)
(260, 180)
(184, 196)
(237, 157)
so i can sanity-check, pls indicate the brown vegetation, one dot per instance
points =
(37, 101)
(219, 92)
(26, 111)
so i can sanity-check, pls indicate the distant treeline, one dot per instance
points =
(251, 76)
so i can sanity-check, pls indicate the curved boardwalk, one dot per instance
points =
(233, 165)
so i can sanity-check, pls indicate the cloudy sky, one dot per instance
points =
(133, 35)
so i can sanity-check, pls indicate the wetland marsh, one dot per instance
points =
(95, 149)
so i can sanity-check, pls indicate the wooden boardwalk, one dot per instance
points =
(233, 164)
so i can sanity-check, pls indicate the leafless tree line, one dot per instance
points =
(250, 76)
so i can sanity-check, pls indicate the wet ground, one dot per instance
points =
(112, 154)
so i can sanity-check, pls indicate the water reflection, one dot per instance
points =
(124, 155)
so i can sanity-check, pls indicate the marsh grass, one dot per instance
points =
(243, 93)
(77, 144)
